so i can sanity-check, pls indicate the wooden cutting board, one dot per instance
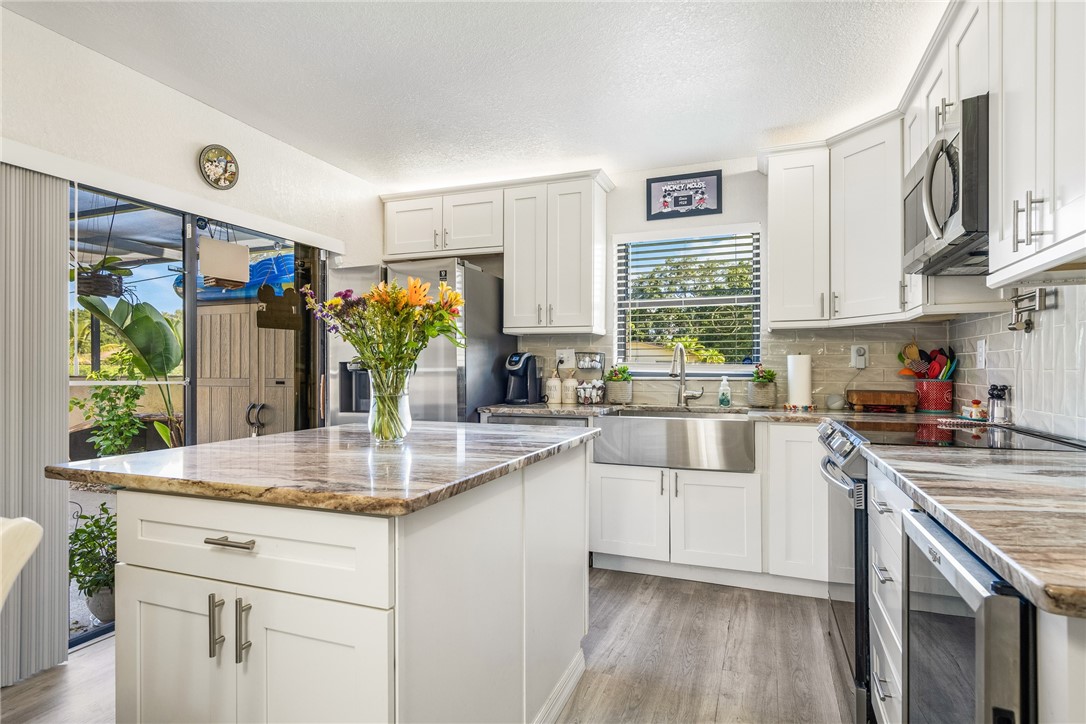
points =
(896, 398)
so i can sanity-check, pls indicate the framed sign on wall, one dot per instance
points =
(688, 194)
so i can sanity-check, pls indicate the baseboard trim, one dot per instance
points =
(738, 579)
(563, 690)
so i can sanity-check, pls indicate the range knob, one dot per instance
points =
(841, 447)
(825, 430)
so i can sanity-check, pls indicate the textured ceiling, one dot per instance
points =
(419, 94)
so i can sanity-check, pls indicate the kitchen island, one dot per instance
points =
(313, 576)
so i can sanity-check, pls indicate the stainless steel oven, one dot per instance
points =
(968, 638)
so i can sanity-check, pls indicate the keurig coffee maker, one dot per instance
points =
(522, 387)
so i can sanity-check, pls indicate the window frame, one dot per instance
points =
(694, 370)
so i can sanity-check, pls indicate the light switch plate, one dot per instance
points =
(982, 352)
(566, 358)
(859, 356)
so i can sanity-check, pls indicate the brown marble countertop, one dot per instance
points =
(1023, 513)
(336, 468)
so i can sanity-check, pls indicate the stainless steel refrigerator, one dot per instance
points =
(450, 383)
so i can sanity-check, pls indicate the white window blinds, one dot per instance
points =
(704, 293)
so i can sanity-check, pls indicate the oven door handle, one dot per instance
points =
(934, 226)
(827, 475)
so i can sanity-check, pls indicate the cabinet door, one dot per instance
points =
(472, 221)
(866, 223)
(571, 261)
(413, 226)
(968, 53)
(716, 519)
(164, 672)
(799, 236)
(1014, 127)
(311, 659)
(797, 516)
(628, 511)
(1061, 123)
(525, 286)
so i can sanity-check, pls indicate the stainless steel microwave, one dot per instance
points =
(946, 197)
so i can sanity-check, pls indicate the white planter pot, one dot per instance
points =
(761, 394)
(620, 393)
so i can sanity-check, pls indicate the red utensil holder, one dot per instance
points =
(935, 395)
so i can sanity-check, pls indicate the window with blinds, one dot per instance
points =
(704, 293)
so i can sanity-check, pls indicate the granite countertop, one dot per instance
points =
(335, 468)
(1023, 513)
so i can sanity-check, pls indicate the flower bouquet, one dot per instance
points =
(389, 327)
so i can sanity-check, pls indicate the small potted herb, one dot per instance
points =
(92, 555)
(762, 388)
(619, 385)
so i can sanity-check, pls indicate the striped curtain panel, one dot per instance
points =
(33, 412)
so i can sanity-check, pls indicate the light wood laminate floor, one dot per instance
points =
(665, 650)
(658, 649)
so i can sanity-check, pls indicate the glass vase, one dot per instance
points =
(390, 408)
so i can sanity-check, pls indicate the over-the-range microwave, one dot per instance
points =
(946, 197)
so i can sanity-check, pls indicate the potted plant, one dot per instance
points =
(112, 408)
(92, 555)
(762, 388)
(104, 278)
(619, 385)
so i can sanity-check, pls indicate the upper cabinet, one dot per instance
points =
(1038, 142)
(448, 225)
(555, 256)
(866, 223)
(799, 246)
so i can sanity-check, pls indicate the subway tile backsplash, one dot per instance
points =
(1045, 368)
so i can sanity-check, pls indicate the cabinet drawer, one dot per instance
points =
(886, 595)
(885, 504)
(885, 678)
(321, 554)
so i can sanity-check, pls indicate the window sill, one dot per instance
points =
(706, 372)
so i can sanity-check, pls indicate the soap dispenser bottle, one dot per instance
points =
(724, 396)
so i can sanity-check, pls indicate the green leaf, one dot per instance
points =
(121, 312)
(159, 350)
(164, 432)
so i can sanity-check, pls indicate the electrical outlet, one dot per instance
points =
(565, 357)
(859, 356)
(982, 352)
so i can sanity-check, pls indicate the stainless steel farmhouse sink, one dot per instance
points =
(679, 438)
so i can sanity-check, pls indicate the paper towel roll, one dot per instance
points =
(799, 379)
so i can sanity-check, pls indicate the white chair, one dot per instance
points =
(18, 539)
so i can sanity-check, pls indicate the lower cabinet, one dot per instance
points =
(204, 650)
(797, 515)
(683, 516)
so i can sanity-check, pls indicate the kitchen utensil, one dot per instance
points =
(920, 367)
(924, 356)
(934, 369)
(901, 357)
(911, 351)
(949, 370)
(906, 372)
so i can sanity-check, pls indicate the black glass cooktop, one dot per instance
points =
(960, 434)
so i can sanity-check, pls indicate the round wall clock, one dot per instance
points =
(218, 166)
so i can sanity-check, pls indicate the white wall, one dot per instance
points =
(70, 112)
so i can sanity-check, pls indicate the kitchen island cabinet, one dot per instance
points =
(442, 580)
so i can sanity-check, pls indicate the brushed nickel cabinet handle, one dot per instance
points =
(550, 313)
(881, 573)
(240, 644)
(539, 314)
(880, 507)
(904, 288)
(1030, 203)
(836, 304)
(445, 240)
(676, 485)
(879, 691)
(821, 304)
(662, 474)
(436, 244)
(1014, 227)
(214, 638)
(225, 542)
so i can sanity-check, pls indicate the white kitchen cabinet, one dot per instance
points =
(413, 226)
(525, 287)
(797, 514)
(716, 519)
(798, 256)
(629, 509)
(1038, 139)
(323, 648)
(446, 225)
(168, 617)
(296, 644)
(967, 54)
(866, 223)
(472, 221)
(565, 280)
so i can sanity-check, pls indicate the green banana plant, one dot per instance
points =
(156, 347)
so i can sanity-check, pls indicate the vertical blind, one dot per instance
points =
(34, 412)
(705, 293)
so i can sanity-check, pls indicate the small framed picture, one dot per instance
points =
(688, 194)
